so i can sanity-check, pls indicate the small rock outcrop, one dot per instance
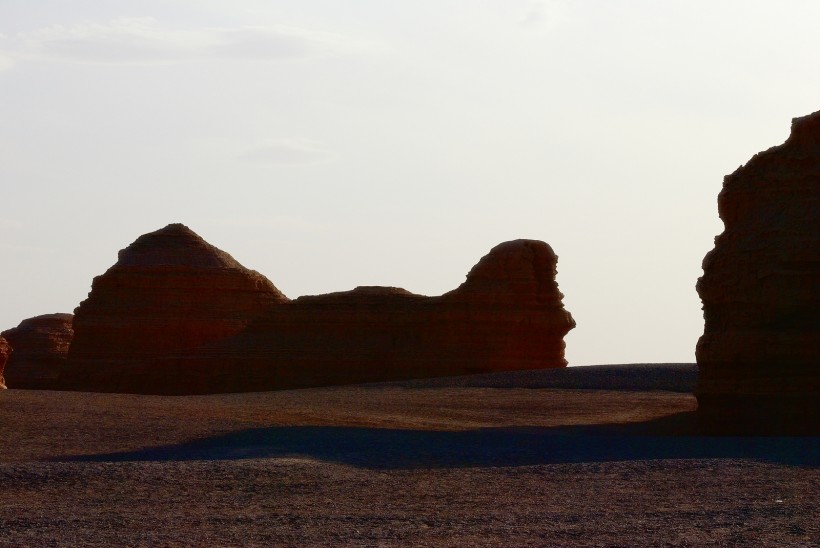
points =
(5, 352)
(40, 346)
(759, 355)
(507, 315)
(169, 294)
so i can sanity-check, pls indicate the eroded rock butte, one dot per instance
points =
(177, 316)
(169, 294)
(759, 354)
(40, 347)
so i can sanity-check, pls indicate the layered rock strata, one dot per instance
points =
(759, 355)
(40, 346)
(5, 352)
(507, 315)
(169, 294)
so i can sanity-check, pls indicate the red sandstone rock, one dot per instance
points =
(40, 347)
(506, 316)
(169, 294)
(5, 352)
(758, 357)
(173, 316)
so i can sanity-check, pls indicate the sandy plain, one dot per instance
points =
(518, 459)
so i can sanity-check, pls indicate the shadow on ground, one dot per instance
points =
(380, 448)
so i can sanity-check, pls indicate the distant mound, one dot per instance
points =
(672, 377)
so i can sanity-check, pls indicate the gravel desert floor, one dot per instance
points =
(500, 460)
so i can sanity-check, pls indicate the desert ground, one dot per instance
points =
(588, 456)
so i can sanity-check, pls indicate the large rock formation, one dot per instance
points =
(507, 315)
(5, 352)
(169, 294)
(40, 347)
(173, 316)
(759, 355)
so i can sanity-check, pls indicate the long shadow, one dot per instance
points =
(380, 448)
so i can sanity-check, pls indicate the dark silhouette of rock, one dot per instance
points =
(758, 357)
(506, 316)
(169, 294)
(5, 352)
(40, 347)
(173, 316)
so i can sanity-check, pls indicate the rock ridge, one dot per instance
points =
(176, 315)
(506, 316)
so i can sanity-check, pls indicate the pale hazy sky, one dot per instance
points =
(331, 144)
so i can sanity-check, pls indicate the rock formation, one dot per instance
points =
(173, 316)
(40, 347)
(759, 355)
(506, 316)
(5, 352)
(169, 294)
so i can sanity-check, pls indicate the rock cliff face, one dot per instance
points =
(759, 355)
(5, 351)
(169, 294)
(507, 315)
(40, 347)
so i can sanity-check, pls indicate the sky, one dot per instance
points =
(332, 144)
